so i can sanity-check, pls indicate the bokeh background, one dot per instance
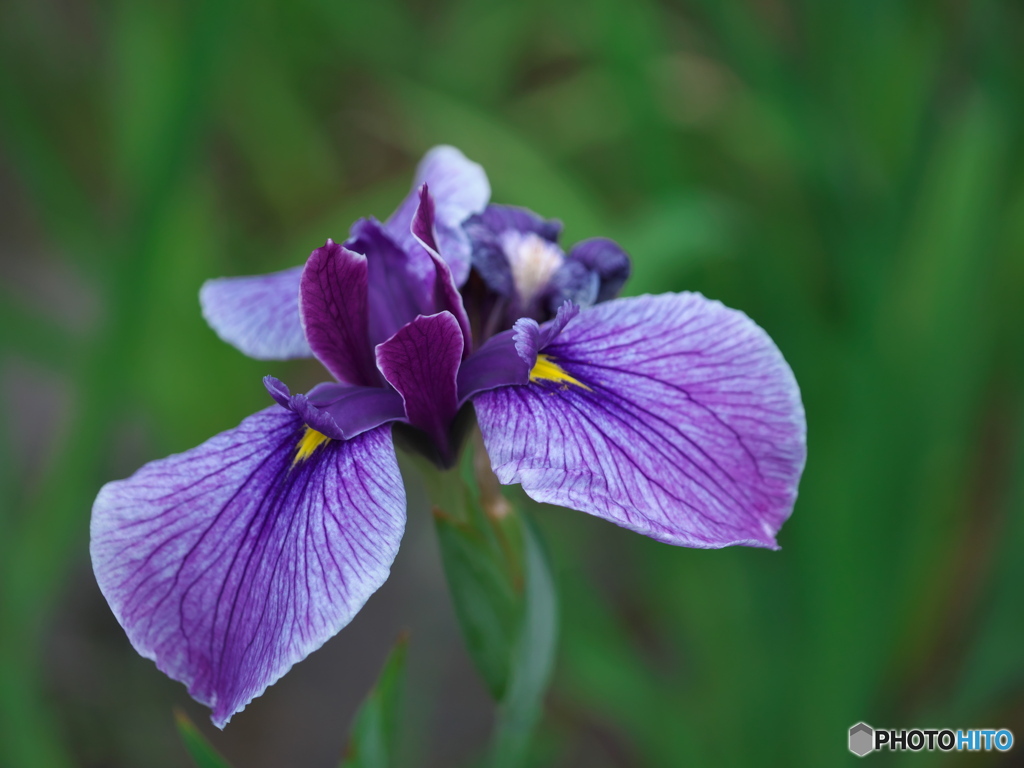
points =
(849, 173)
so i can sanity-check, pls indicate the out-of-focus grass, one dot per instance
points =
(848, 173)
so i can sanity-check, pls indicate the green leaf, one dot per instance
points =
(533, 655)
(373, 741)
(484, 597)
(503, 593)
(200, 750)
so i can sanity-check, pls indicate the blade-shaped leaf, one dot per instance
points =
(484, 597)
(198, 748)
(504, 596)
(373, 741)
(533, 655)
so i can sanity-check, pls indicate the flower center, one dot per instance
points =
(533, 261)
(546, 369)
(310, 441)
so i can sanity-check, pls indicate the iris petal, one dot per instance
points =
(687, 427)
(460, 189)
(496, 364)
(605, 259)
(340, 411)
(446, 297)
(229, 563)
(333, 304)
(486, 231)
(257, 315)
(421, 361)
(401, 282)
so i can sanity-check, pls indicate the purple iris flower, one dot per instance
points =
(670, 415)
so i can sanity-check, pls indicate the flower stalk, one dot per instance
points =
(503, 593)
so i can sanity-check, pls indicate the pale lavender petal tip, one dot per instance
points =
(680, 419)
(229, 563)
(460, 185)
(461, 189)
(257, 315)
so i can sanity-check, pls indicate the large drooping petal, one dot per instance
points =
(333, 301)
(258, 315)
(460, 189)
(229, 563)
(421, 362)
(670, 415)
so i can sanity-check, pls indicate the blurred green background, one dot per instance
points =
(849, 173)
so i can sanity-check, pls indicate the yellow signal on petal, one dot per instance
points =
(311, 440)
(546, 369)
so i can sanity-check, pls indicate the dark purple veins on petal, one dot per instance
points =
(421, 362)
(687, 426)
(228, 563)
(334, 313)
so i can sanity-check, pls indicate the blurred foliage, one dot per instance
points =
(198, 748)
(375, 731)
(848, 173)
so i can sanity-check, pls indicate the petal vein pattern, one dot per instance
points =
(688, 427)
(421, 362)
(334, 313)
(228, 563)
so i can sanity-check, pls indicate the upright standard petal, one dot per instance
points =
(421, 361)
(229, 563)
(333, 304)
(401, 283)
(257, 315)
(446, 297)
(671, 415)
(460, 189)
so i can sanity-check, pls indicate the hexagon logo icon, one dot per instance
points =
(862, 739)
